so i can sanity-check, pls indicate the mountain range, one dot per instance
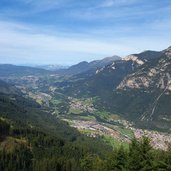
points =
(136, 87)
(85, 66)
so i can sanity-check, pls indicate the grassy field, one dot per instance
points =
(114, 142)
(125, 131)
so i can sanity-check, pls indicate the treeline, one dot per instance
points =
(33, 150)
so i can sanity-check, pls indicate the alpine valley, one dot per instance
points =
(72, 118)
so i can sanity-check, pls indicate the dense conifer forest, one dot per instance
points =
(27, 149)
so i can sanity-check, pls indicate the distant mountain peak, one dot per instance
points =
(90, 67)
(112, 58)
(83, 62)
(142, 57)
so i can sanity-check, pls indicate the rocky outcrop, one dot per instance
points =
(134, 59)
(153, 75)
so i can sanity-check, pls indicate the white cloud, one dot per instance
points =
(43, 47)
(14, 38)
(24, 44)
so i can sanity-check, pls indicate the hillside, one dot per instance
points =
(71, 123)
(84, 66)
(34, 140)
(27, 129)
(136, 87)
(105, 79)
(146, 93)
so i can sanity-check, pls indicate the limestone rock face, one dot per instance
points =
(134, 58)
(156, 75)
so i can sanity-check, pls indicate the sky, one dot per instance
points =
(69, 31)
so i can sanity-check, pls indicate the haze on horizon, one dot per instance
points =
(69, 31)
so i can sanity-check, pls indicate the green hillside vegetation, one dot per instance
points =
(24, 148)
(133, 104)
(34, 137)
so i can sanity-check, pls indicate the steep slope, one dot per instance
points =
(101, 83)
(15, 106)
(148, 55)
(88, 66)
(105, 79)
(136, 87)
(144, 96)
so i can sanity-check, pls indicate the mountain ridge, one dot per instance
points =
(136, 87)
(85, 66)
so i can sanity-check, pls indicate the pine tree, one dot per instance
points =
(118, 160)
(140, 155)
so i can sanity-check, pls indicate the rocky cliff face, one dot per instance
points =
(154, 74)
(138, 87)
(144, 95)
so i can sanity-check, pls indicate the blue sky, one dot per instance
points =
(69, 31)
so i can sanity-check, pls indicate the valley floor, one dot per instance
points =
(121, 134)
